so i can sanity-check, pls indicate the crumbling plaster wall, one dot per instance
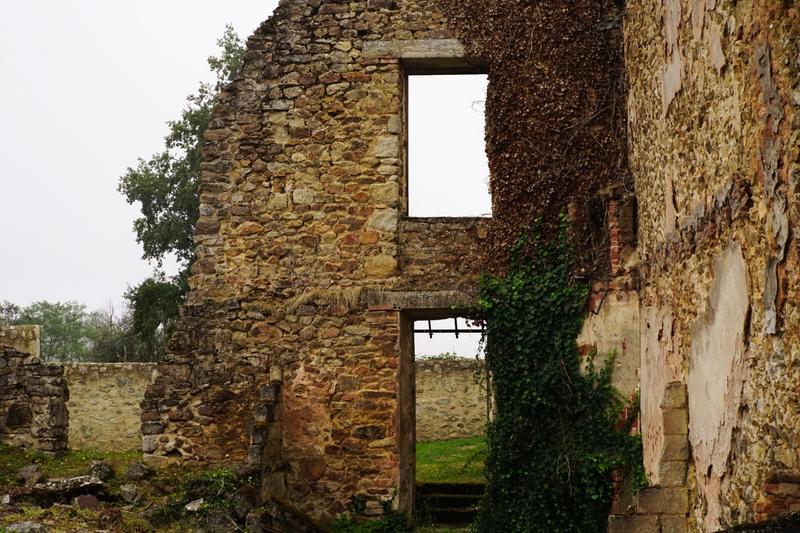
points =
(713, 134)
(301, 249)
(25, 339)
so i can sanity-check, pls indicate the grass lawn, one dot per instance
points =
(451, 461)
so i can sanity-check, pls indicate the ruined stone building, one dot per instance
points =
(294, 349)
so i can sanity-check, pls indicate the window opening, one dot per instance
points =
(448, 171)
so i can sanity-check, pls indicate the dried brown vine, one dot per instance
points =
(556, 122)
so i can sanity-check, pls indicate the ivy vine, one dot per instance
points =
(556, 436)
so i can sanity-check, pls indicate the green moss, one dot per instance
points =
(67, 464)
(451, 461)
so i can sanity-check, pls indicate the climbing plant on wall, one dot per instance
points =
(556, 437)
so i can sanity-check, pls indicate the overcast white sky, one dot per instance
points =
(86, 87)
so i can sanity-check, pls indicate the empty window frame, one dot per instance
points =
(448, 172)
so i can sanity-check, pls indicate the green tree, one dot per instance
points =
(112, 338)
(154, 304)
(166, 188)
(9, 313)
(63, 335)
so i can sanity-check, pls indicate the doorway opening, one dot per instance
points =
(449, 407)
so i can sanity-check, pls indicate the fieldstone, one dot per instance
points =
(129, 492)
(384, 220)
(394, 124)
(152, 428)
(86, 501)
(149, 443)
(155, 461)
(380, 266)
(387, 146)
(101, 470)
(26, 527)
(66, 487)
(29, 475)
(194, 505)
(385, 193)
(137, 471)
(303, 196)
(249, 228)
(18, 415)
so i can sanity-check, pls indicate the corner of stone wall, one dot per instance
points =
(664, 508)
(33, 402)
(25, 339)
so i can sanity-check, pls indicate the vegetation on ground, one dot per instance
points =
(223, 497)
(67, 464)
(356, 521)
(451, 461)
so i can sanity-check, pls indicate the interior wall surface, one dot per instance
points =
(713, 136)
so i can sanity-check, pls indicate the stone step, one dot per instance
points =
(651, 523)
(451, 488)
(449, 504)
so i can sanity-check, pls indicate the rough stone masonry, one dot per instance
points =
(294, 346)
(715, 152)
(295, 349)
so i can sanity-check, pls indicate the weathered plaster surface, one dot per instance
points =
(25, 339)
(716, 376)
(660, 366)
(715, 160)
(614, 329)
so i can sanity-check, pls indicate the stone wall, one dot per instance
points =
(302, 247)
(714, 128)
(33, 395)
(294, 348)
(24, 339)
(451, 399)
(104, 406)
